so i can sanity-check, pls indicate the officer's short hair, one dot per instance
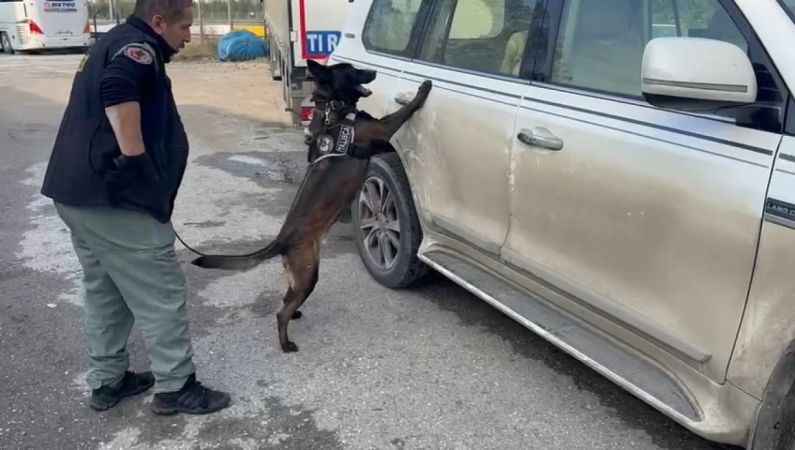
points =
(171, 10)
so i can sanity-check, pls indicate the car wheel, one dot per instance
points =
(775, 419)
(387, 229)
(777, 431)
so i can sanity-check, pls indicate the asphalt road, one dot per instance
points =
(432, 367)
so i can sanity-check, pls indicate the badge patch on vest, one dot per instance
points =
(140, 53)
(325, 143)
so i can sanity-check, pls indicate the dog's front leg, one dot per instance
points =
(391, 123)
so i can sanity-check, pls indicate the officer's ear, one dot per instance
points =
(159, 24)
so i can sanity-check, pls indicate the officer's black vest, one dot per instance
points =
(86, 145)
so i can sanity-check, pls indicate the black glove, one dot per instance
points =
(140, 165)
(126, 170)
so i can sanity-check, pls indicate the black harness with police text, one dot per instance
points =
(332, 131)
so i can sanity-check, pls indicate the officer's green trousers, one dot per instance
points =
(130, 273)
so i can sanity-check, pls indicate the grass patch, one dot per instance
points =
(197, 50)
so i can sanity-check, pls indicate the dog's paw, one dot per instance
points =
(425, 88)
(289, 347)
(298, 315)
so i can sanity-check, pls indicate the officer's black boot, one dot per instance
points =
(107, 397)
(193, 398)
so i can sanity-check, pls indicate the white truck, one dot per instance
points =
(299, 30)
(43, 24)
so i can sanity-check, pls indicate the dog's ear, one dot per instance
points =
(319, 72)
(365, 76)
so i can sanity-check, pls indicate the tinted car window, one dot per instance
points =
(601, 42)
(789, 5)
(482, 35)
(389, 25)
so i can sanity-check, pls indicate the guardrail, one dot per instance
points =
(99, 26)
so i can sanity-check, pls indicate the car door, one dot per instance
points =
(457, 149)
(644, 217)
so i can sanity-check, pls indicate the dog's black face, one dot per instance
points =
(341, 81)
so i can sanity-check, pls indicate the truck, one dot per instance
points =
(300, 30)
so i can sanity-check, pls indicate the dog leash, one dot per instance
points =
(334, 147)
(179, 238)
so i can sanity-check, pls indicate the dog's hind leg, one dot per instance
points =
(301, 264)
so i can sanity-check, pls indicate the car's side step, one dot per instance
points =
(639, 376)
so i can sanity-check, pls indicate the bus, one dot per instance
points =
(43, 24)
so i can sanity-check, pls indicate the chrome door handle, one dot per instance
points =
(540, 137)
(404, 98)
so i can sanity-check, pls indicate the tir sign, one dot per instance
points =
(320, 44)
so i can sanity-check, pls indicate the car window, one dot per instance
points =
(789, 5)
(483, 35)
(478, 19)
(601, 42)
(389, 25)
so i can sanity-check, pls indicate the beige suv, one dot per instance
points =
(616, 175)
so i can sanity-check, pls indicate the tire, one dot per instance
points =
(386, 228)
(778, 431)
(276, 70)
(6, 44)
(774, 427)
(286, 88)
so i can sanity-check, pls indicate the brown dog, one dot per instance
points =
(342, 140)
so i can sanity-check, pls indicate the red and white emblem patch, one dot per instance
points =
(138, 55)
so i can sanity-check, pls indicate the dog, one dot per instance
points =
(341, 141)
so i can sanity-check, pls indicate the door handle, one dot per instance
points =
(404, 98)
(540, 137)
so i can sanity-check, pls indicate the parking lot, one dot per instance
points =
(432, 367)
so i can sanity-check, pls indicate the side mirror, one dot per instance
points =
(694, 74)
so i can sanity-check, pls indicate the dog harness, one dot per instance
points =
(336, 132)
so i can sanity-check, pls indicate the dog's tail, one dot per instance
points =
(240, 262)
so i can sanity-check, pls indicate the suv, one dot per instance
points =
(616, 175)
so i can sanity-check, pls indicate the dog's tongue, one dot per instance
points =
(363, 91)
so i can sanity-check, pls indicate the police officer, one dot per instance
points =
(114, 173)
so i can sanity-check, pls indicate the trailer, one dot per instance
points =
(299, 30)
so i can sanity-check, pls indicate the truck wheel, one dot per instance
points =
(5, 43)
(387, 230)
(285, 87)
(276, 70)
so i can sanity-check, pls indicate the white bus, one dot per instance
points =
(43, 24)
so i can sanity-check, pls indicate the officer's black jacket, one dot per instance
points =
(127, 64)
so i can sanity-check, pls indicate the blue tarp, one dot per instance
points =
(241, 46)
